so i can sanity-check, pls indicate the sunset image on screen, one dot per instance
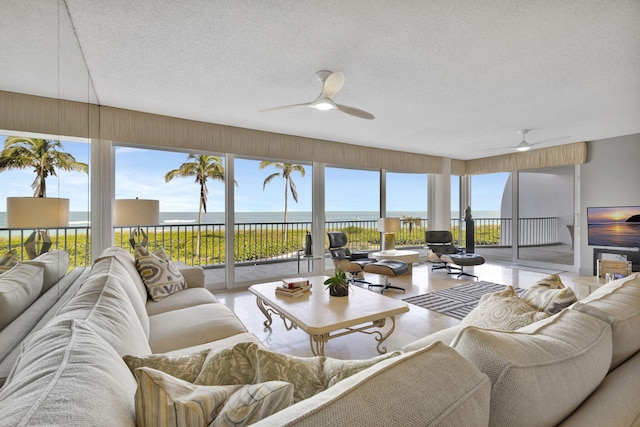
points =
(614, 226)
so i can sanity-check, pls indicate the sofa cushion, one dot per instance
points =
(618, 304)
(104, 305)
(192, 326)
(445, 389)
(502, 310)
(19, 288)
(163, 400)
(183, 299)
(68, 375)
(55, 264)
(8, 260)
(541, 373)
(158, 272)
(129, 263)
(185, 367)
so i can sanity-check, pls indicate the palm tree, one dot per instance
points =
(286, 170)
(43, 155)
(203, 167)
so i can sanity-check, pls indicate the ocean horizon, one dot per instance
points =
(80, 219)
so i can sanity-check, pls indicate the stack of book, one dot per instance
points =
(294, 287)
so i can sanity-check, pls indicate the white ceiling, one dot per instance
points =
(454, 78)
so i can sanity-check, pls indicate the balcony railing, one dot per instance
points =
(277, 241)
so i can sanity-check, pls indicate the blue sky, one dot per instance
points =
(140, 173)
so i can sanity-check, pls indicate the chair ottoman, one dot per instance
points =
(387, 268)
(460, 261)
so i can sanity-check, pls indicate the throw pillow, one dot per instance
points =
(234, 365)
(553, 282)
(309, 375)
(185, 367)
(9, 260)
(161, 399)
(549, 300)
(160, 276)
(254, 402)
(503, 311)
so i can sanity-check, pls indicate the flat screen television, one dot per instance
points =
(614, 226)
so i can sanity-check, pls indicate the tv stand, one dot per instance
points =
(633, 256)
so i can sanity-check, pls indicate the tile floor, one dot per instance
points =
(410, 326)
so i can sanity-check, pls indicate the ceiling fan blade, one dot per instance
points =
(356, 112)
(332, 85)
(550, 140)
(284, 107)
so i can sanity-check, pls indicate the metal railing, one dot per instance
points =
(278, 241)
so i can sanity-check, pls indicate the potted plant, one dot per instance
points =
(338, 285)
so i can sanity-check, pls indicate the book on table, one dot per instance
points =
(295, 282)
(295, 292)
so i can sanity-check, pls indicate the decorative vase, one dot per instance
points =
(339, 291)
(307, 244)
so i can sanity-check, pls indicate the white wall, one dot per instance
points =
(611, 177)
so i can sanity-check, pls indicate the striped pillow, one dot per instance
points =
(165, 400)
(159, 274)
(8, 261)
(186, 367)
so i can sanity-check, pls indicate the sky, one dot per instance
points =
(140, 173)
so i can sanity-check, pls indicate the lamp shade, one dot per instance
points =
(389, 225)
(37, 212)
(136, 212)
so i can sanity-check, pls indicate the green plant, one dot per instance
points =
(338, 284)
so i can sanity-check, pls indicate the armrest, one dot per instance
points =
(359, 255)
(194, 276)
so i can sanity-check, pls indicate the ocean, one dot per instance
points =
(80, 219)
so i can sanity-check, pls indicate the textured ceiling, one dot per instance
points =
(454, 78)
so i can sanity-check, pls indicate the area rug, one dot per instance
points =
(458, 301)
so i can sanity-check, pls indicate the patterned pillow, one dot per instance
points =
(309, 375)
(160, 276)
(8, 261)
(549, 300)
(161, 399)
(553, 282)
(185, 367)
(234, 365)
(254, 402)
(503, 311)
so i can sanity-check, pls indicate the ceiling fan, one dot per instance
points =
(332, 82)
(524, 145)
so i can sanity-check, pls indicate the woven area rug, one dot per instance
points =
(458, 301)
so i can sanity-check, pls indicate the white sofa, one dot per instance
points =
(71, 372)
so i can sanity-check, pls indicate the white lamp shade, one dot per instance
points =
(136, 212)
(37, 212)
(389, 225)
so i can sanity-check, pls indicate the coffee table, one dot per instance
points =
(324, 317)
(398, 255)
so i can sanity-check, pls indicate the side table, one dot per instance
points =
(585, 285)
(309, 258)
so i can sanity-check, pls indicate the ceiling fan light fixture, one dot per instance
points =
(323, 104)
(523, 146)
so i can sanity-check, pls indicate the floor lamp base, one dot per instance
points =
(31, 244)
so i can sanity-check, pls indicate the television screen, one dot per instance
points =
(614, 226)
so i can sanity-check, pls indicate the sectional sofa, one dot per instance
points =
(579, 367)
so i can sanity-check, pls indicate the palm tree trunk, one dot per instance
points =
(199, 222)
(286, 199)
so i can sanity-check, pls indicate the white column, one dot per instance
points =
(103, 194)
(439, 198)
(229, 219)
(317, 216)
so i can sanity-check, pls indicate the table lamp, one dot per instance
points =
(135, 213)
(388, 227)
(39, 213)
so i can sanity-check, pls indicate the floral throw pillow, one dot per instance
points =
(160, 275)
(185, 367)
(549, 300)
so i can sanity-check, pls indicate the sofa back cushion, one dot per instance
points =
(617, 303)
(125, 258)
(431, 386)
(55, 264)
(8, 261)
(541, 373)
(103, 304)
(68, 375)
(19, 288)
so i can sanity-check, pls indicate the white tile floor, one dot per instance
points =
(410, 326)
